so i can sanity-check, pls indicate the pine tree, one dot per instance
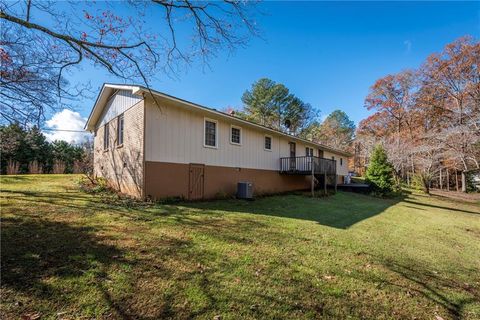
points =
(380, 171)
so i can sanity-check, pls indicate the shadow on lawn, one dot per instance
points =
(452, 295)
(45, 260)
(341, 210)
(33, 251)
(439, 207)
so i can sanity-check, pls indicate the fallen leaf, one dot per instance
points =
(31, 316)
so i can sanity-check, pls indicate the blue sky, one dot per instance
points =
(327, 53)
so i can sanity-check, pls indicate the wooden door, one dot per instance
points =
(293, 160)
(196, 181)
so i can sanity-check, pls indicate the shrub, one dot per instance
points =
(380, 172)
(470, 181)
(421, 181)
(90, 184)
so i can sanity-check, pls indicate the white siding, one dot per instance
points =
(342, 170)
(120, 102)
(175, 134)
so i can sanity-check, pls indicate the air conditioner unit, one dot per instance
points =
(245, 190)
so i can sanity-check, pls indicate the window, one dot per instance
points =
(333, 158)
(106, 137)
(235, 135)
(268, 143)
(309, 152)
(341, 161)
(320, 153)
(120, 130)
(210, 133)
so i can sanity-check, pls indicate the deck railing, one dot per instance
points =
(303, 165)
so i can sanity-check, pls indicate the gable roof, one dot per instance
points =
(109, 89)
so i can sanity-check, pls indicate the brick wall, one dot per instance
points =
(122, 165)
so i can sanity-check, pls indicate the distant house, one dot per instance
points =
(169, 147)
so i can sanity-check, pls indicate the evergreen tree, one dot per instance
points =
(26, 145)
(380, 171)
(12, 139)
(271, 104)
(265, 102)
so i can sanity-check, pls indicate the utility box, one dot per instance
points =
(245, 190)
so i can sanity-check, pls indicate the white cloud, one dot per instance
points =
(408, 46)
(66, 125)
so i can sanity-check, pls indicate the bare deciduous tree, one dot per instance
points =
(429, 120)
(42, 41)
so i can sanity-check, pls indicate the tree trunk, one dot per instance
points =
(464, 182)
(456, 179)
(441, 181)
(448, 181)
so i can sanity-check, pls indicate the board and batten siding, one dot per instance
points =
(175, 134)
(342, 170)
(117, 104)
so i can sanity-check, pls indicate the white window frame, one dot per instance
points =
(106, 136)
(241, 133)
(271, 143)
(122, 133)
(216, 132)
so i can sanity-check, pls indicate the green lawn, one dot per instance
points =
(67, 254)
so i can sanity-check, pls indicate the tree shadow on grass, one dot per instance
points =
(341, 210)
(452, 295)
(35, 250)
(440, 207)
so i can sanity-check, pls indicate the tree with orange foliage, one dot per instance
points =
(428, 120)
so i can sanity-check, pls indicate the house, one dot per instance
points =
(151, 145)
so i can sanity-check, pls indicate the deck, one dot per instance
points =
(306, 165)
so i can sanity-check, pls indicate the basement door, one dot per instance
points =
(196, 181)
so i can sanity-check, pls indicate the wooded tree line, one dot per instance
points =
(428, 119)
(28, 151)
(271, 104)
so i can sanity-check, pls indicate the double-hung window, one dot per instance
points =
(106, 137)
(120, 125)
(210, 133)
(235, 135)
(268, 143)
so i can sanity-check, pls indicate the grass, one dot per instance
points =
(67, 254)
